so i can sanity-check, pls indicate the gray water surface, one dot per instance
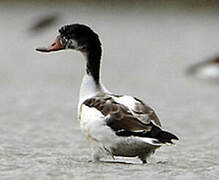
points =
(146, 52)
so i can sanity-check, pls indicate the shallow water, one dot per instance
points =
(146, 52)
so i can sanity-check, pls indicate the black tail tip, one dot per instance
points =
(167, 137)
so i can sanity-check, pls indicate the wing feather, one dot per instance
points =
(121, 117)
(130, 117)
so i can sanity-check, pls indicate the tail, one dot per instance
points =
(161, 135)
(156, 136)
(166, 137)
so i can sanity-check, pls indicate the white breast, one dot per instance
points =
(88, 89)
(94, 127)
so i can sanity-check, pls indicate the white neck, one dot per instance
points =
(89, 88)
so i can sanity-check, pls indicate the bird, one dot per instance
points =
(206, 70)
(114, 125)
(43, 22)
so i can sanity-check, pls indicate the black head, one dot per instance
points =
(82, 38)
(79, 37)
(75, 36)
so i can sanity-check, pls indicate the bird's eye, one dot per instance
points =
(63, 40)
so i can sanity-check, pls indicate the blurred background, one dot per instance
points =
(164, 52)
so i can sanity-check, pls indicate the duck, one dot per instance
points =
(206, 70)
(114, 125)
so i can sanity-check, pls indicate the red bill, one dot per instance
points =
(56, 46)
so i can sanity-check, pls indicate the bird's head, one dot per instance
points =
(75, 36)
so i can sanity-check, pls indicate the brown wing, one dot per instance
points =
(119, 117)
(142, 110)
(128, 122)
